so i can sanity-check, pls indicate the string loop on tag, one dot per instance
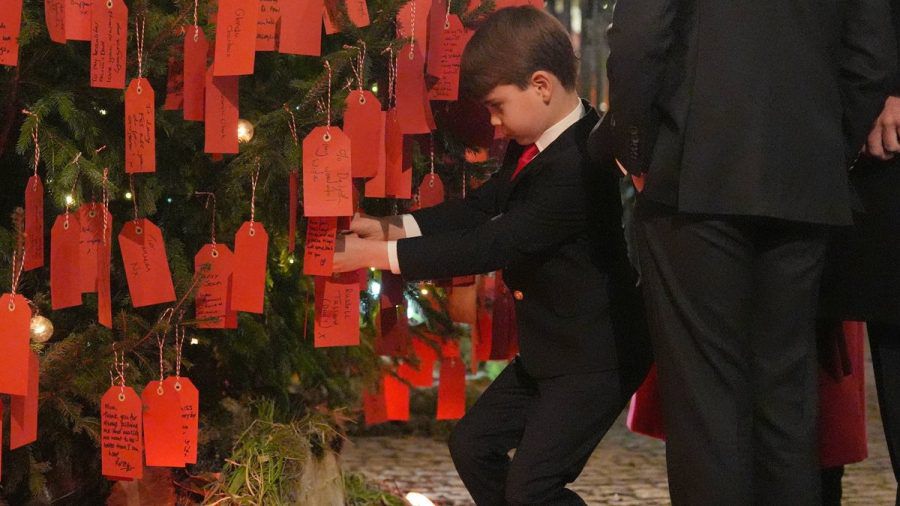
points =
(412, 31)
(161, 343)
(196, 24)
(179, 343)
(359, 68)
(254, 179)
(139, 24)
(37, 144)
(327, 136)
(104, 197)
(18, 256)
(447, 16)
(133, 196)
(392, 76)
(211, 197)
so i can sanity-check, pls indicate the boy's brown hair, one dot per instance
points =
(511, 45)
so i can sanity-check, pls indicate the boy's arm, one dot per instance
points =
(476, 208)
(536, 226)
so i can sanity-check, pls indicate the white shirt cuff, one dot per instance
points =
(410, 227)
(392, 256)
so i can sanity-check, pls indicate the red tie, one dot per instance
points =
(525, 158)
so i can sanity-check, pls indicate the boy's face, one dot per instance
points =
(518, 112)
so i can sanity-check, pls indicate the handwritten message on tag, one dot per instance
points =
(236, 26)
(109, 38)
(444, 60)
(140, 127)
(318, 257)
(221, 122)
(327, 177)
(121, 435)
(337, 311)
(78, 19)
(146, 263)
(10, 26)
(55, 14)
(34, 223)
(266, 25)
(216, 264)
(189, 398)
(357, 11)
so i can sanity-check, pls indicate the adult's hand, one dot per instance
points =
(883, 142)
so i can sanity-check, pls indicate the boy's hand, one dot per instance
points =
(352, 252)
(883, 140)
(389, 228)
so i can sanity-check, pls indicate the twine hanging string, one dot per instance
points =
(161, 344)
(18, 258)
(447, 16)
(196, 24)
(180, 332)
(327, 137)
(431, 155)
(254, 180)
(211, 197)
(392, 75)
(412, 31)
(359, 68)
(37, 144)
(133, 196)
(104, 197)
(139, 24)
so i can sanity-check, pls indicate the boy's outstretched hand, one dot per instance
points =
(389, 228)
(352, 252)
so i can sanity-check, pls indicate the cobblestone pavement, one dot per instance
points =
(626, 469)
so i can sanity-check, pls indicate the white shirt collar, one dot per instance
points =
(556, 130)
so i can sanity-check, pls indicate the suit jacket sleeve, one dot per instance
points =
(868, 65)
(639, 40)
(532, 227)
(477, 207)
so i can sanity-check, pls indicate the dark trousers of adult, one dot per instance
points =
(731, 303)
(554, 424)
(884, 342)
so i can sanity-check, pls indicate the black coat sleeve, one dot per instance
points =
(640, 39)
(868, 65)
(542, 221)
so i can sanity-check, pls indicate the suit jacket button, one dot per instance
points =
(518, 295)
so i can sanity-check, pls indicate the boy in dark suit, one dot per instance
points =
(552, 222)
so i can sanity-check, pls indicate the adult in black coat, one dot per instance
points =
(741, 118)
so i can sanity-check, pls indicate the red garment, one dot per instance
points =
(842, 410)
(525, 158)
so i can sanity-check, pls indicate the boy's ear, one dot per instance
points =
(543, 83)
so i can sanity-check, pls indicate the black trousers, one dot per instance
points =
(731, 303)
(554, 424)
(884, 341)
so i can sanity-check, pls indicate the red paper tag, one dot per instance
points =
(121, 437)
(221, 114)
(175, 81)
(212, 299)
(55, 13)
(140, 130)
(421, 374)
(391, 290)
(146, 264)
(452, 390)
(393, 150)
(90, 220)
(411, 92)
(357, 10)
(293, 196)
(444, 59)
(236, 37)
(78, 19)
(431, 191)
(395, 337)
(363, 125)
(195, 52)
(375, 187)
(405, 21)
(23, 409)
(189, 398)
(10, 26)
(374, 406)
(266, 25)
(337, 311)
(34, 223)
(450, 349)
(162, 424)
(327, 180)
(318, 256)
(104, 258)
(15, 324)
(65, 279)
(301, 27)
(109, 37)
(396, 397)
(251, 250)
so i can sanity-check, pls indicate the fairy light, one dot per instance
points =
(70, 200)
(128, 195)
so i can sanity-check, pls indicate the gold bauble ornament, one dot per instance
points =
(41, 329)
(244, 131)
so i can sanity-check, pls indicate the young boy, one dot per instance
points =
(552, 222)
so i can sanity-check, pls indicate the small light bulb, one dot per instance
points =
(169, 200)
(194, 340)
(375, 88)
(128, 195)
(102, 112)
(69, 200)
(424, 291)
(290, 260)
(372, 269)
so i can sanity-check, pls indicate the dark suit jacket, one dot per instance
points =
(748, 107)
(862, 279)
(556, 232)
